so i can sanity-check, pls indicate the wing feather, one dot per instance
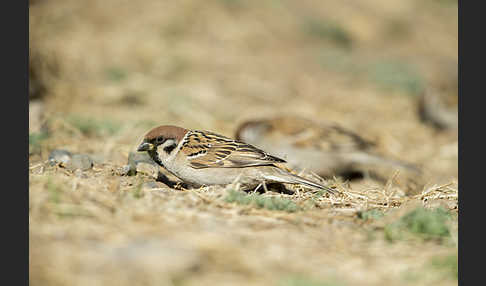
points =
(206, 149)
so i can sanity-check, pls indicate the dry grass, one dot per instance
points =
(111, 70)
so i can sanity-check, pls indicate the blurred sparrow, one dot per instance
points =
(324, 148)
(206, 158)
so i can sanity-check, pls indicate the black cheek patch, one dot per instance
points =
(169, 148)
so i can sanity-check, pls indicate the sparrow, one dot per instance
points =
(206, 158)
(324, 148)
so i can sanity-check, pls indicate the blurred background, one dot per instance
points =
(102, 73)
(213, 64)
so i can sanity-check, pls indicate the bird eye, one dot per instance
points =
(159, 140)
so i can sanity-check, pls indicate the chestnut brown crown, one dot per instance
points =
(160, 134)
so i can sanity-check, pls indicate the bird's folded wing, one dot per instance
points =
(207, 149)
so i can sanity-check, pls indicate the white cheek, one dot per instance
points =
(165, 158)
(162, 154)
(168, 142)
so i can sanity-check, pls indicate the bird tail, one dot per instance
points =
(283, 176)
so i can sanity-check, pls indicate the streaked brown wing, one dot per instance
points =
(205, 149)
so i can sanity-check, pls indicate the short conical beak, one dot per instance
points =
(145, 147)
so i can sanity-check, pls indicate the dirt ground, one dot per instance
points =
(104, 72)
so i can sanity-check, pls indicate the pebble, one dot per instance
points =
(97, 158)
(148, 169)
(137, 158)
(59, 156)
(125, 171)
(79, 161)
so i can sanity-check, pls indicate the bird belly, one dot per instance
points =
(218, 176)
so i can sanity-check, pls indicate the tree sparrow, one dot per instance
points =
(324, 148)
(206, 158)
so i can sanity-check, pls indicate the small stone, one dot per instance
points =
(59, 156)
(80, 174)
(79, 161)
(138, 157)
(148, 169)
(125, 171)
(135, 158)
(97, 158)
